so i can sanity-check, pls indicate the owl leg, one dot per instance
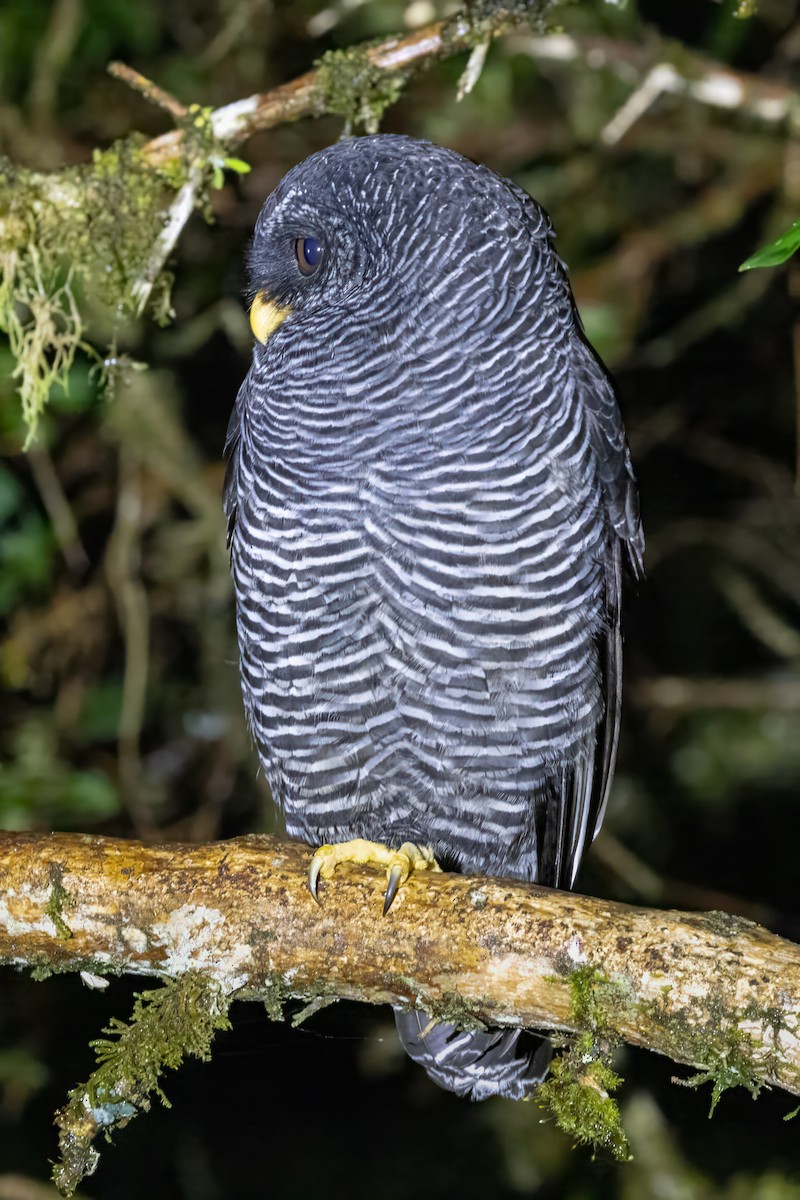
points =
(399, 863)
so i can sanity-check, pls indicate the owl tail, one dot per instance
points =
(477, 1064)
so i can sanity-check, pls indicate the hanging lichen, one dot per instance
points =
(69, 241)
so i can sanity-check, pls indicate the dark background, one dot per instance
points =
(121, 711)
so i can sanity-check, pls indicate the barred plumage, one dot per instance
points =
(430, 499)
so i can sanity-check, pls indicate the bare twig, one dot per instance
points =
(123, 572)
(759, 617)
(302, 97)
(472, 71)
(662, 71)
(151, 91)
(685, 695)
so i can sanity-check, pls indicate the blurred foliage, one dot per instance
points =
(117, 652)
(38, 788)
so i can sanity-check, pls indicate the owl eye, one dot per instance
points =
(309, 254)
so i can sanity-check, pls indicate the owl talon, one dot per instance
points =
(396, 876)
(400, 863)
(313, 877)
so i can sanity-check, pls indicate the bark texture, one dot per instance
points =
(711, 990)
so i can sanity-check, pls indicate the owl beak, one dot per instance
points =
(266, 316)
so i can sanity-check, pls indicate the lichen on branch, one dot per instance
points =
(102, 231)
(354, 87)
(70, 242)
(711, 991)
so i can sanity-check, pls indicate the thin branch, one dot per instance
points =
(639, 878)
(174, 220)
(151, 91)
(305, 96)
(123, 562)
(52, 56)
(62, 518)
(778, 694)
(666, 70)
(473, 69)
(710, 990)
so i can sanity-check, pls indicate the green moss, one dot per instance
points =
(596, 999)
(489, 18)
(274, 995)
(577, 1090)
(726, 1067)
(59, 900)
(85, 236)
(710, 1036)
(577, 1093)
(178, 1020)
(351, 86)
(725, 1055)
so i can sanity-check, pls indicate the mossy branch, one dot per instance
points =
(104, 230)
(361, 82)
(166, 1026)
(709, 990)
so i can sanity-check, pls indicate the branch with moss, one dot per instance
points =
(360, 83)
(236, 919)
(103, 231)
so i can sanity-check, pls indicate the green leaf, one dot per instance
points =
(777, 252)
(238, 165)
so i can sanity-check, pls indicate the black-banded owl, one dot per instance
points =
(431, 506)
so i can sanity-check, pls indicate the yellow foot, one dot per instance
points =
(399, 863)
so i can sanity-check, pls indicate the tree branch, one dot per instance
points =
(710, 990)
(666, 68)
(309, 94)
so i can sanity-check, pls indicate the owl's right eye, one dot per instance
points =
(309, 254)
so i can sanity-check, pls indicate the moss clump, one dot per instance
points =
(274, 996)
(577, 1094)
(726, 1055)
(166, 1026)
(595, 997)
(710, 1037)
(486, 19)
(351, 86)
(577, 1090)
(728, 1067)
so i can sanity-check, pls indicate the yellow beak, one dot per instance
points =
(266, 316)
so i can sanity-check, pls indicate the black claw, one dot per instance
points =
(394, 883)
(313, 878)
